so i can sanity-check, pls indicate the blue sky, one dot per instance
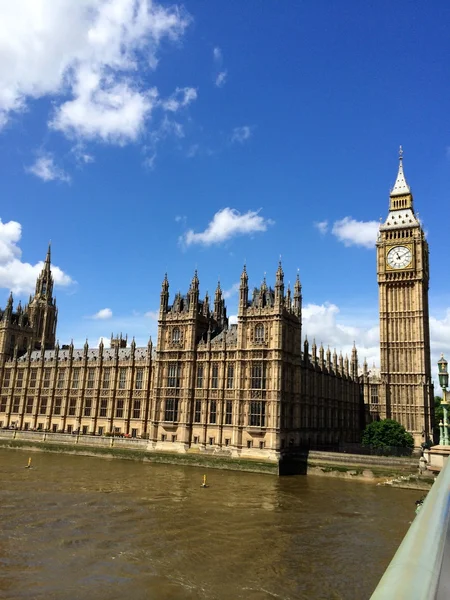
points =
(148, 137)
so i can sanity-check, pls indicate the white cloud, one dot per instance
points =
(322, 226)
(240, 135)
(232, 319)
(106, 342)
(356, 233)
(221, 78)
(180, 98)
(217, 54)
(18, 276)
(227, 223)
(320, 322)
(231, 291)
(152, 314)
(102, 314)
(45, 169)
(89, 56)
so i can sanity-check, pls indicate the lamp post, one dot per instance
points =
(443, 382)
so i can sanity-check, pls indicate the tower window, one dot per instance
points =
(213, 412)
(198, 411)
(138, 384)
(47, 375)
(137, 409)
(58, 405)
(215, 376)
(6, 378)
(29, 407)
(229, 413)
(257, 417)
(199, 376)
(19, 381)
(230, 377)
(119, 409)
(258, 376)
(176, 335)
(122, 378)
(90, 378)
(61, 378)
(106, 379)
(103, 407)
(173, 377)
(88, 407)
(259, 333)
(171, 410)
(75, 378)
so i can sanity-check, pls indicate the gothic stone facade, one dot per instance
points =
(248, 389)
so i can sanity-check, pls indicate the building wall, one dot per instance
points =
(247, 389)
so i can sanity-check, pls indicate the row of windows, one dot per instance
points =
(71, 408)
(259, 334)
(75, 380)
(256, 417)
(258, 376)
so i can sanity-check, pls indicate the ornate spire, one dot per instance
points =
(243, 290)
(280, 274)
(195, 281)
(400, 186)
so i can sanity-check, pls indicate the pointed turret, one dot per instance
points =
(243, 290)
(346, 366)
(400, 186)
(218, 303)
(164, 302)
(306, 350)
(194, 293)
(314, 351)
(354, 362)
(401, 210)
(321, 356)
(7, 313)
(288, 299)
(279, 286)
(297, 297)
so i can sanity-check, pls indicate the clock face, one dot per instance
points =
(399, 257)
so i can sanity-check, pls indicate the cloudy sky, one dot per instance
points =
(144, 137)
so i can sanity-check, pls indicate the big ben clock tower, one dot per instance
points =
(406, 391)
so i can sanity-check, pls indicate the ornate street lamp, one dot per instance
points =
(443, 382)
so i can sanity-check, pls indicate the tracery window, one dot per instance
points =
(90, 378)
(122, 378)
(257, 415)
(106, 379)
(137, 409)
(176, 335)
(199, 376)
(258, 381)
(171, 410)
(229, 412)
(75, 378)
(173, 376)
(198, 411)
(61, 378)
(138, 384)
(230, 377)
(19, 381)
(213, 412)
(215, 376)
(259, 333)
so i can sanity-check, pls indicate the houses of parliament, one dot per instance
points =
(253, 389)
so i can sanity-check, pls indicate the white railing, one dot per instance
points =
(414, 572)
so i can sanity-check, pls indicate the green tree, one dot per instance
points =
(387, 433)
(438, 410)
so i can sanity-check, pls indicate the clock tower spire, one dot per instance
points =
(406, 392)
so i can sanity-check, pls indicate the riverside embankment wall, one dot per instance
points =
(353, 466)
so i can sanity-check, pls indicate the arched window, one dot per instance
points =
(259, 333)
(176, 335)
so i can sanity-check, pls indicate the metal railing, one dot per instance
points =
(414, 572)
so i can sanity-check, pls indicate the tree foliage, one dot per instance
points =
(438, 410)
(387, 433)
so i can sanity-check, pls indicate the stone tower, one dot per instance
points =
(406, 391)
(42, 311)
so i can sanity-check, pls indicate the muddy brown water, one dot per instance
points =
(75, 527)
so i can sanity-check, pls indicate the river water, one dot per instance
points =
(75, 527)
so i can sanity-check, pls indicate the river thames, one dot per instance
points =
(92, 528)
